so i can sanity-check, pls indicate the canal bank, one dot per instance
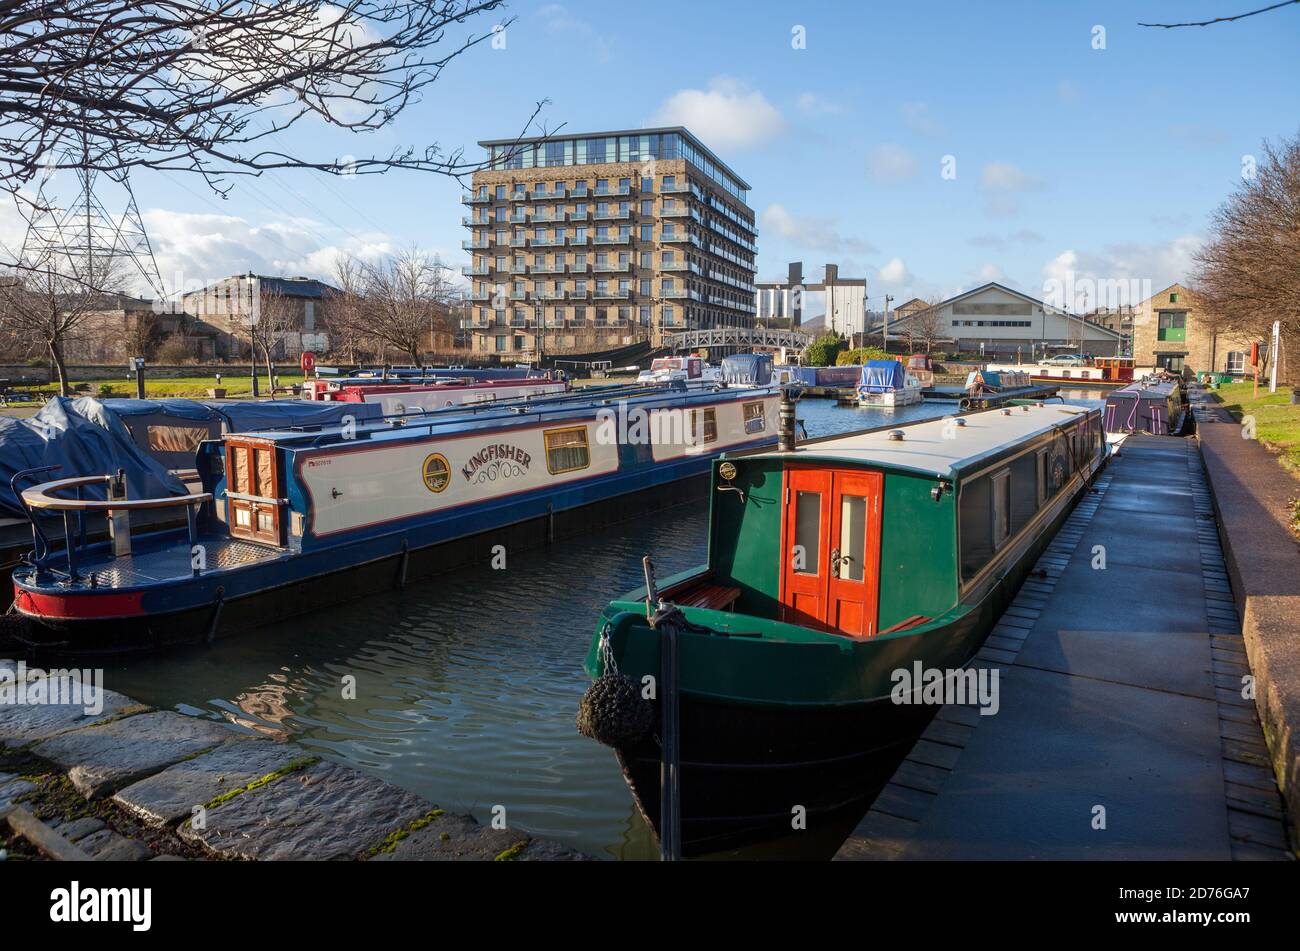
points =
(1124, 728)
(122, 781)
(1255, 504)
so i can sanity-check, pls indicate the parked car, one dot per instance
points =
(1064, 360)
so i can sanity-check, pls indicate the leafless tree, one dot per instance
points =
(49, 300)
(1248, 273)
(277, 316)
(345, 310)
(406, 296)
(208, 86)
(144, 333)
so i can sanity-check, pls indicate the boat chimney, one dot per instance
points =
(785, 424)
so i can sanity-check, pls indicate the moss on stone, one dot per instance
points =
(301, 762)
(391, 840)
(512, 853)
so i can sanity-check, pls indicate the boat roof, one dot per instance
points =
(931, 447)
(1162, 389)
(578, 404)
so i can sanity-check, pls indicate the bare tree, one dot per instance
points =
(923, 327)
(207, 86)
(277, 316)
(50, 299)
(345, 310)
(144, 333)
(1249, 271)
(407, 295)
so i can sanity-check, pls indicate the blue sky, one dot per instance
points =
(1106, 162)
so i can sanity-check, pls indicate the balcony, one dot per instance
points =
(675, 188)
(550, 268)
(583, 192)
(611, 214)
(476, 270)
(674, 237)
(481, 297)
(519, 269)
(674, 292)
(476, 244)
(548, 242)
(674, 265)
(472, 198)
(549, 194)
(612, 239)
(553, 295)
(612, 266)
(471, 222)
(681, 211)
(519, 195)
(580, 239)
(519, 242)
(615, 190)
(612, 293)
(519, 295)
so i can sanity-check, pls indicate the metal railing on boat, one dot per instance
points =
(117, 507)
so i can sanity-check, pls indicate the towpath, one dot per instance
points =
(1123, 731)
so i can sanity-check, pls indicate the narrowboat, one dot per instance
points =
(833, 565)
(750, 371)
(1100, 371)
(1155, 405)
(920, 367)
(288, 522)
(886, 383)
(689, 370)
(397, 398)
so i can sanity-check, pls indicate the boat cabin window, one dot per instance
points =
(567, 450)
(755, 421)
(976, 526)
(1001, 487)
(1026, 490)
(177, 438)
(706, 432)
(807, 533)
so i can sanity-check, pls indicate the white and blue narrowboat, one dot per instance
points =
(282, 515)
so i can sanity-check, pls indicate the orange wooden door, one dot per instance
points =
(830, 577)
(253, 491)
(805, 536)
(853, 585)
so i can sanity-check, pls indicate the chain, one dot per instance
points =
(607, 663)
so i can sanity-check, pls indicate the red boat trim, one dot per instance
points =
(78, 606)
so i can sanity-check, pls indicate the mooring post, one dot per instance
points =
(670, 779)
(785, 426)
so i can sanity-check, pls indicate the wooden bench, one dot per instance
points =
(714, 597)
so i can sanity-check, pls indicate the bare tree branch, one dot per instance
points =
(1239, 16)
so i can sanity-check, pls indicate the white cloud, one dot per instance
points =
(916, 116)
(813, 104)
(891, 163)
(895, 272)
(1004, 177)
(193, 249)
(811, 232)
(1131, 271)
(726, 115)
(556, 18)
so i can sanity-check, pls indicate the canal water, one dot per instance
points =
(466, 686)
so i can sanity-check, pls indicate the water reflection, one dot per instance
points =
(466, 686)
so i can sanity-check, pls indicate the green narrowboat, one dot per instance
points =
(831, 565)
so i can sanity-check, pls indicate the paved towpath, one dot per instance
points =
(1122, 731)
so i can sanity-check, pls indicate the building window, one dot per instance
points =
(566, 450)
(1237, 362)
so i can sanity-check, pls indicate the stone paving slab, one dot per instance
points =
(11, 787)
(451, 838)
(1131, 599)
(1176, 661)
(23, 724)
(172, 794)
(103, 759)
(323, 812)
(1060, 745)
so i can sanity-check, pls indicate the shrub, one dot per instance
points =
(823, 351)
(106, 389)
(861, 355)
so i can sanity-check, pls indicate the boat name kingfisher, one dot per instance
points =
(497, 460)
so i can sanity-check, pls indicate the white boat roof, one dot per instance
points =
(935, 446)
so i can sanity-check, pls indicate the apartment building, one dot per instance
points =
(592, 241)
(1172, 331)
